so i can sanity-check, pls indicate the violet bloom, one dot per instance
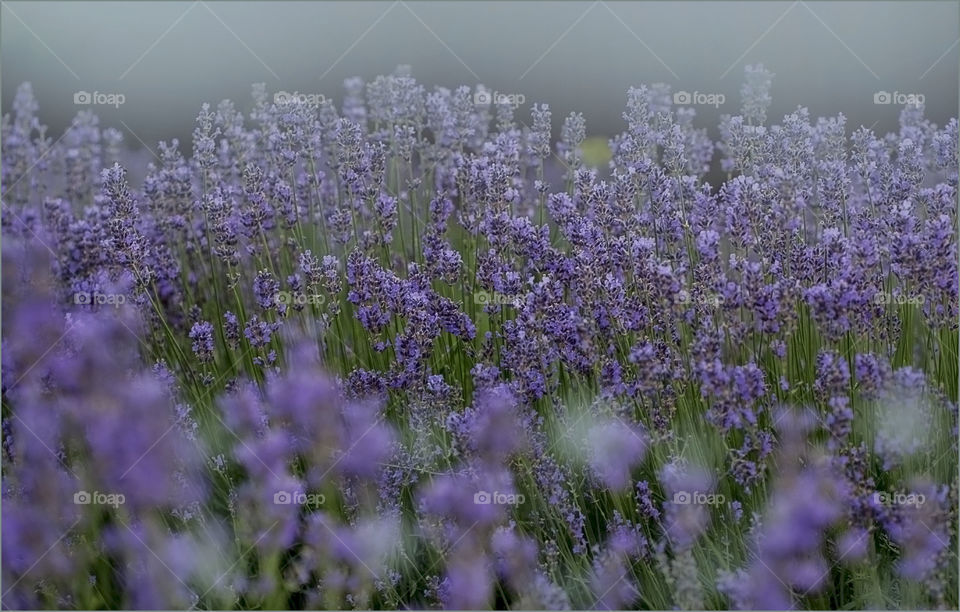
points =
(231, 329)
(492, 429)
(367, 441)
(265, 289)
(482, 497)
(259, 333)
(690, 494)
(920, 530)
(614, 450)
(612, 584)
(807, 499)
(202, 335)
(377, 402)
(469, 583)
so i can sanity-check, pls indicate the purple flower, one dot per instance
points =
(259, 333)
(265, 289)
(202, 335)
(690, 492)
(615, 449)
(457, 289)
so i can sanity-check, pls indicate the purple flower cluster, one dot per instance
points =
(409, 352)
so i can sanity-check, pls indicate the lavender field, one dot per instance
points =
(412, 351)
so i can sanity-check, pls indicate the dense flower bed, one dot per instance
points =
(411, 352)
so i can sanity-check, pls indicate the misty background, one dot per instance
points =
(167, 58)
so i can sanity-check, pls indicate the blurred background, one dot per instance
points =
(164, 59)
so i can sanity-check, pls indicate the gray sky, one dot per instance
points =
(167, 58)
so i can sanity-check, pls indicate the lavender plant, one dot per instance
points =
(412, 353)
